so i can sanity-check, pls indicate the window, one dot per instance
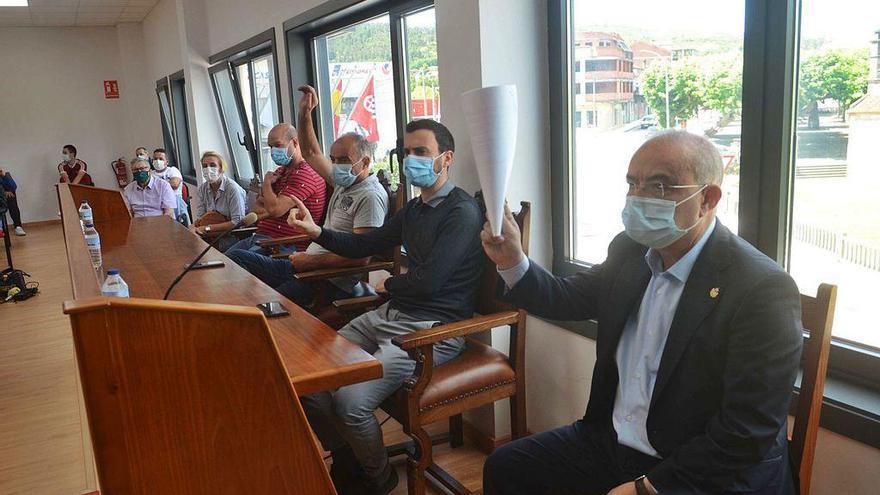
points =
(701, 94)
(181, 126)
(246, 89)
(423, 84)
(358, 82)
(835, 221)
(804, 200)
(375, 68)
(171, 92)
(167, 120)
(235, 126)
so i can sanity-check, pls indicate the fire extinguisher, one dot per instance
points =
(121, 170)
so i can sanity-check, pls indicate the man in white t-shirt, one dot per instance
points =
(162, 170)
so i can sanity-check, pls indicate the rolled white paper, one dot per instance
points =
(491, 115)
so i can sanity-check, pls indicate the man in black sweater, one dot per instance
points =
(439, 230)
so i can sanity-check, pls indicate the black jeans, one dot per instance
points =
(568, 460)
(12, 204)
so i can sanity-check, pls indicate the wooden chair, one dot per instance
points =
(480, 375)
(190, 398)
(817, 317)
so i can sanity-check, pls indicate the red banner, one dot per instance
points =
(364, 113)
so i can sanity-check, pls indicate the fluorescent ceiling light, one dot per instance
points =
(13, 3)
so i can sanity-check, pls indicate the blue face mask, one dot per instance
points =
(419, 170)
(342, 175)
(280, 156)
(651, 222)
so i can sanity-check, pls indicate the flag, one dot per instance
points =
(336, 105)
(364, 113)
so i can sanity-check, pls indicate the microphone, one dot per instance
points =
(249, 219)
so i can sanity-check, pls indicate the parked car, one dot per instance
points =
(647, 121)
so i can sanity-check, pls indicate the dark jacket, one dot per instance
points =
(720, 402)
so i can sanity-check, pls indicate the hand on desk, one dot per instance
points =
(504, 250)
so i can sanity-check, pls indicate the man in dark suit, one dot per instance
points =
(699, 340)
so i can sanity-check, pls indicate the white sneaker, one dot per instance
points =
(20, 231)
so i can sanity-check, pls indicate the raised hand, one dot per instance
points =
(504, 250)
(309, 99)
(301, 218)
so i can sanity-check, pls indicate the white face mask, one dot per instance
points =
(66, 156)
(211, 174)
(159, 165)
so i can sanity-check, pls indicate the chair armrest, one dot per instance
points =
(359, 303)
(325, 273)
(280, 241)
(240, 232)
(431, 336)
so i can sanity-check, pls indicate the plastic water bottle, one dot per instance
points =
(85, 212)
(114, 286)
(93, 240)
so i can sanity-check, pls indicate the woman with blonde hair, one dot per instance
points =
(221, 200)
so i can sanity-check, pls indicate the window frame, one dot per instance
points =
(176, 83)
(771, 41)
(169, 140)
(229, 60)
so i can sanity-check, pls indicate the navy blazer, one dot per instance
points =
(719, 407)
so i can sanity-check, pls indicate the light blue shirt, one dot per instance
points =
(642, 342)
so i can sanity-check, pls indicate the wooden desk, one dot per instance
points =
(151, 252)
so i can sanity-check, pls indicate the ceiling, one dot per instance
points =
(76, 12)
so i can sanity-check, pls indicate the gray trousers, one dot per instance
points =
(346, 416)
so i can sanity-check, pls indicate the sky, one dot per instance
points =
(845, 22)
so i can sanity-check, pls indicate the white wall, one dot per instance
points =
(138, 91)
(241, 20)
(51, 94)
(162, 42)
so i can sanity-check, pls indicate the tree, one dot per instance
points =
(722, 88)
(836, 74)
(685, 90)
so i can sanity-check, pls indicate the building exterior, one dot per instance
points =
(604, 82)
(863, 153)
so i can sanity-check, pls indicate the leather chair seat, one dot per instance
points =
(479, 368)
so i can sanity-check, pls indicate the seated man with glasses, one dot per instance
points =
(147, 195)
(698, 345)
(358, 205)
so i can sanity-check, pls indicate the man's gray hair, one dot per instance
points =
(360, 143)
(700, 155)
(137, 159)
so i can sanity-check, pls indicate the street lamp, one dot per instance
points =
(668, 66)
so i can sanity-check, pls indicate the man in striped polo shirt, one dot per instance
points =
(294, 178)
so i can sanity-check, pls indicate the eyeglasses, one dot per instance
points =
(656, 189)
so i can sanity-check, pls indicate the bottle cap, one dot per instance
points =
(113, 271)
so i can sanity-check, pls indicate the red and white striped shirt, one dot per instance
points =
(300, 181)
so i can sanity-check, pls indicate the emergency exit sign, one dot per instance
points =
(111, 90)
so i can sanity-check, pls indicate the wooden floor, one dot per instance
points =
(40, 434)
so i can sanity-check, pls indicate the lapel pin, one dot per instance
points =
(713, 292)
